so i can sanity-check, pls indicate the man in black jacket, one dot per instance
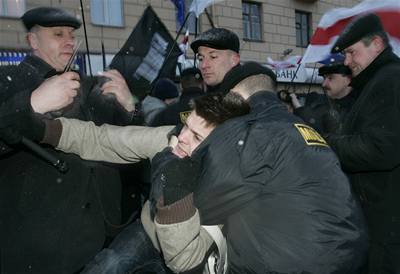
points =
(369, 146)
(52, 222)
(275, 186)
(327, 116)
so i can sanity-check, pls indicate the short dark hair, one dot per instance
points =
(215, 108)
(382, 34)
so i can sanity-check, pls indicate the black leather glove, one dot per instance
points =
(175, 131)
(180, 177)
(14, 126)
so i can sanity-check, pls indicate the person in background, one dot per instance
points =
(52, 222)
(369, 144)
(192, 87)
(217, 50)
(328, 117)
(165, 92)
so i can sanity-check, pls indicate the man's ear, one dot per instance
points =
(378, 44)
(235, 59)
(32, 40)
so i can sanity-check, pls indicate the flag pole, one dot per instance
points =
(195, 35)
(103, 55)
(86, 38)
(209, 18)
(175, 42)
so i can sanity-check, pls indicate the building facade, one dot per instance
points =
(275, 29)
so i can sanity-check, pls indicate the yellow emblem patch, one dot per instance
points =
(310, 135)
(183, 116)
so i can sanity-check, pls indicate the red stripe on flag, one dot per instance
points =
(390, 21)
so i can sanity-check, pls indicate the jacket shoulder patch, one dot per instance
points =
(183, 115)
(310, 135)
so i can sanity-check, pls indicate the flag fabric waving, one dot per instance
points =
(183, 47)
(334, 21)
(180, 10)
(149, 53)
(290, 62)
(198, 6)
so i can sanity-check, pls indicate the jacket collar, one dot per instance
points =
(263, 99)
(387, 56)
(41, 67)
(346, 101)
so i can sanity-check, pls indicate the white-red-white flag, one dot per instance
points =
(183, 46)
(198, 6)
(334, 21)
(290, 62)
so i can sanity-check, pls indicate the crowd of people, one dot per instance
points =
(238, 183)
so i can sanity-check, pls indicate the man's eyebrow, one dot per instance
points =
(197, 134)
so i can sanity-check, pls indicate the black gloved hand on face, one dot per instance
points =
(180, 177)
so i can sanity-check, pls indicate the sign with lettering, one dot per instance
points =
(11, 57)
(298, 75)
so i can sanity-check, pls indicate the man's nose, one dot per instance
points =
(347, 59)
(204, 63)
(70, 40)
(182, 135)
(324, 83)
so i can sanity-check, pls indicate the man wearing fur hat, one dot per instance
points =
(52, 222)
(369, 146)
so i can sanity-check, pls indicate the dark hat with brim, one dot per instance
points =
(333, 64)
(334, 69)
(217, 38)
(241, 72)
(49, 17)
(357, 29)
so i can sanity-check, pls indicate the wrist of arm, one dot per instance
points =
(177, 212)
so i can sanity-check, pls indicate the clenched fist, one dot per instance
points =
(55, 93)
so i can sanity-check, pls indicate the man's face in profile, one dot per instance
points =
(334, 84)
(359, 55)
(196, 129)
(55, 45)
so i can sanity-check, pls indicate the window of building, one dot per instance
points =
(251, 13)
(12, 8)
(107, 12)
(303, 28)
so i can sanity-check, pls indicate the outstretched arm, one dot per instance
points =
(107, 143)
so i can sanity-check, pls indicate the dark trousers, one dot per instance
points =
(130, 252)
(384, 258)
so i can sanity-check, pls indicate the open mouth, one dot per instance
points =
(178, 151)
